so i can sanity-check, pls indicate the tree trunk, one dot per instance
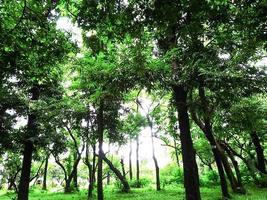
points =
(91, 171)
(207, 129)
(123, 168)
(130, 161)
(126, 187)
(228, 170)
(100, 131)
(260, 153)
(26, 171)
(250, 167)
(154, 158)
(137, 163)
(75, 174)
(45, 173)
(236, 167)
(191, 177)
(176, 152)
(67, 186)
(72, 174)
(219, 163)
(23, 192)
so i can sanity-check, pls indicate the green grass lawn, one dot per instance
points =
(170, 193)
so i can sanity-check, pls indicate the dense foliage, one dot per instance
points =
(189, 76)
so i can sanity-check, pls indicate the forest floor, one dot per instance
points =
(168, 193)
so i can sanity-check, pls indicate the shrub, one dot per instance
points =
(209, 178)
(139, 184)
(171, 174)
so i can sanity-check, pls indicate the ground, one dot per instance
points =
(170, 193)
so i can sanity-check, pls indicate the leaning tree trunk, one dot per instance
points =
(44, 187)
(137, 162)
(100, 131)
(207, 129)
(260, 153)
(250, 167)
(12, 180)
(236, 167)
(123, 168)
(228, 170)
(126, 186)
(23, 190)
(191, 177)
(130, 161)
(218, 160)
(155, 159)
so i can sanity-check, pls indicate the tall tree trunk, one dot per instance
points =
(126, 186)
(236, 167)
(137, 162)
(154, 157)
(72, 174)
(23, 192)
(218, 161)
(176, 152)
(130, 161)
(191, 177)
(207, 129)
(26, 171)
(100, 131)
(228, 170)
(123, 168)
(250, 167)
(75, 174)
(67, 188)
(91, 171)
(44, 187)
(108, 172)
(260, 152)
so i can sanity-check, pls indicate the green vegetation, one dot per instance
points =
(173, 192)
(133, 99)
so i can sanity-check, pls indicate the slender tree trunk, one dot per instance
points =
(219, 163)
(154, 158)
(228, 170)
(130, 161)
(260, 152)
(69, 178)
(100, 131)
(236, 167)
(137, 162)
(23, 192)
(108, 172)
(75, 174)
(126, 187)
(10, 182)
(176, 152)
(45, 172)
(207, 129)
(123, 168)
(191, 177)
(250, 168)
(91, 171)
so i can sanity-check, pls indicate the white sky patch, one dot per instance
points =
(262, 62)
(21, 122)
(65, 24)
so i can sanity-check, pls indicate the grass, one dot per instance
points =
(168, 193)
